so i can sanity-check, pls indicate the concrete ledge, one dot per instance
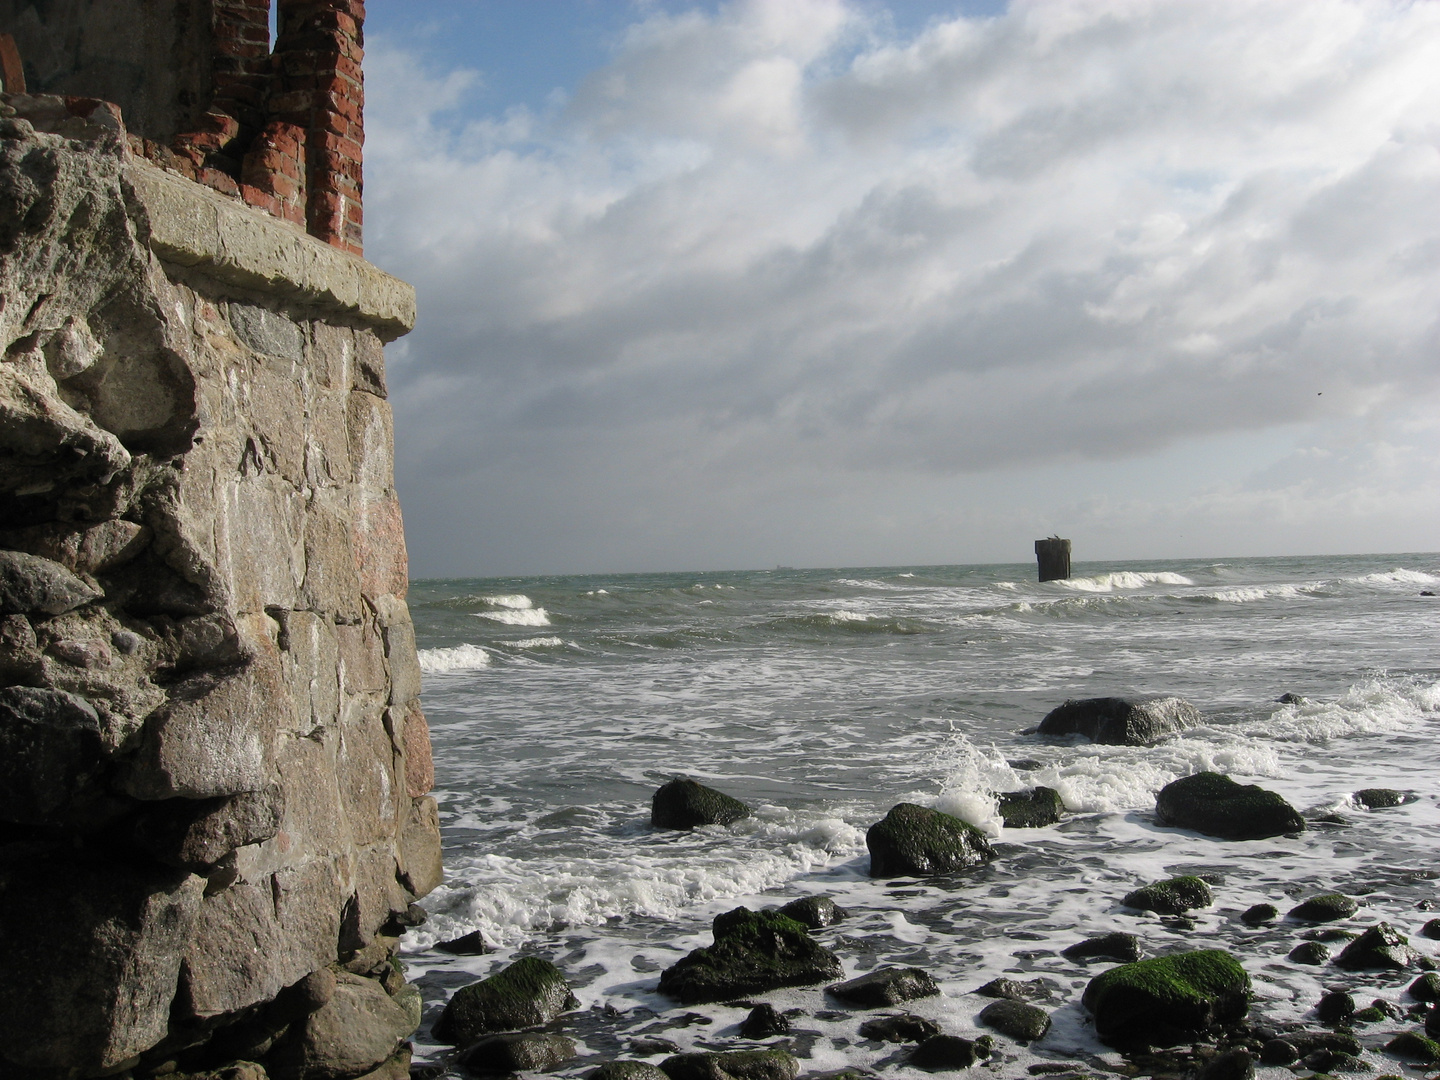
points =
(194, 227)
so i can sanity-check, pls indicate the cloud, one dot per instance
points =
(772, 242)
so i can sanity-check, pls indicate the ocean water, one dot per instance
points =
(823, 697)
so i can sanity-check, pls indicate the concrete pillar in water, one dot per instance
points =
(1054, 558)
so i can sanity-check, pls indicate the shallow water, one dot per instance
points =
(823, 697)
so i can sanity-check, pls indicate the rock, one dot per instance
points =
(1289, 698)
(1412, 1046)
(684, 804)
(51, 753)
(816, 912)
(1217, 806)
(1309, 952)
(740, 1064)
(1381, 946)
(199, 833)
(1023, 1023)
(32, 585)
(1173, 897)
(1168, 999)
(1379, 798)
(1327, 907)
(529, 992)
(1121, 721)
(357, 1029)
(471, 944)
(1260, 914)
(754, 951)
(1114, 946)
(764, 1022)
(1279, 1052)
(1033, 808)
(1013, 990)
(1431, 929)
(901, 1028)
(1335, 1007)
(1425, 988)
(1432, 1023)
(531, 1051)
(912, 839)
(942, 1053)
(626, 1070)
(1237, 1064)
(885, 987)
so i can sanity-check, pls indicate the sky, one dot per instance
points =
(733, 285)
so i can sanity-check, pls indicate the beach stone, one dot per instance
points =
(626, 1070)
(1014, 990)
(913, 839)
(32, 585)
(1334, 1007)
(1236, 1064)
(1260, 914)
(529, 992)
(51, 751)
(471, 944)
(684, 804)
(1379, 798)
(815, 912)
(1215, 805)
(885, 987)
(740, 1064)
(763, 1022)
(901, 1028)
(1278, 1052)
(1425, 988)
(1122, 947)
(1033, 808)
(1309, 952)
(1023, 1023)
(1118, 721)
(531, 1051)
(360, 1027)
(1412, 1046)
(1173, 897)
(1327, 907)
(942, 1053)
(1168, 999)
(754, 951)
(1431, 929)
(1379, 947)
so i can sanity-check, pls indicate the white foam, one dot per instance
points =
(1373, 706)
(517, 616)
(1244, 594)
(514, 601)
(1398, 576)
(848, 616)
(1124, 579)
(904, 575)
(537, 643)
(454, 658)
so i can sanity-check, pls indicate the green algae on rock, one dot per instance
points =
(772, 1064)
(1380, 947)
(913, 839)
(684, 804)
(1168, 999)
(754, 951)
(1326, 907)
(530, 991)
(1033, 808)
(1173, 897)
(1217, 806)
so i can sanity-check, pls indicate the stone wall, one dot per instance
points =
(213, 763)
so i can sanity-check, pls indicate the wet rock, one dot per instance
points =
(1335, 1007)
(529, 992)
(1308, 952)
(763, 1022)
(1279, 1052)
(1122, 947)
(471, 944)
(1173, 897)
(1236, 1064)
(1425, 988)
(1168, 999)
(885, 986)
(941, 1053)
(1033, 808)
(1380, 947)
(1432, 1023)
(1023, 1023)
(1327, 907)
(902, 1028)
(1289, 698)
(1329, 934)
(1260, 914)
(913, 839)
(1013, 990)
(1217, 806)
(626, 1070)
(1025, 764)
(740, 1064)
(1121, 721)
(51, 752)
(360, 1027)
(815, 912)
(684, 804)
(650, 1046)
(1412, 1046)
(1431, 929)
(754, 951)
(1379, 798)
(32, 585)
(531, 1051)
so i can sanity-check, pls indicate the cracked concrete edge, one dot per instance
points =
(200, 229)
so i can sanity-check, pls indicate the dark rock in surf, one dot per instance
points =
(1326, 907)
(1124, 948)
(1260, 914)
(1121, 721)
(1431, 929)
(1412, 1046)
(754, 951)
(1013, 990)
(1379, 798)
(913, 839)
(1335, 1007)
(1381, 947)
(732, 1065)
(763, 1022)
(626, 1070)
(904, 1028)
(1288, 698)
(941, 1053)
(815, 912)
(529, 992)
(471, 944)
(1309, 952)
(528, 1051)
(1425, 988)
(1169, 999)
(1022, 1022)
(1278, 1052)
(1236, 1064)
(885, 987)
(684, 804)
(1031, 809)
(1217, 806)
(1173, 897)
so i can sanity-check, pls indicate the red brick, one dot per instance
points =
(260, 199)
(218, 180)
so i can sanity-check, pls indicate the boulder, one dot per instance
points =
(1335, 1007)
(199, 833)
(1236, 1064)
(1121, 721)
(754, 951)
(901, 1028)
(1431, 929)
(1279, 1052)
(1308, 952)
(684, 804)
(1173, 897)
(1033, 808)
(913, 839)
(1123, 948)
(816, 912)
(763, 1022)
(626, 1070)
(1412, 1046)
(942, 1053)
(1023, 1023)
(1379, 798)
(885, 987)
(1015, 991)
(1168, 999)
(360, 1027)
(530, 1051)
(1327, 907)
(1425, 988)
(51, 751)
(1259, 914)
(471, 944)
(737, 1064)
(32, 585)
(1217, 806)
(529, 992)
(1380, 947)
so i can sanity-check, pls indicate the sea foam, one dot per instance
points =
(455, 658)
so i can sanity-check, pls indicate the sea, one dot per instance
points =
(823, 697)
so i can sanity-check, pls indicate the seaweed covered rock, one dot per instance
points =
(1425, 988)
(1236, 1064)
(816, 912)
(754, 951)
(913, 839)
(1118, 946)
(626, 1070)
(1173, 897)
(1121, 721)
(530, 991)
(1335, 1007)
(1259, 914)
(1014, 990)
(764, 1021)
(885, 986)
(684, 804)
(769, 1064)
(1326, 907)
(1412, 1046)
(1022, 1022)
(1168, 999)
(1379, 798)
(1308, 952)
(944, 1052)
(531, 1051)
(1217, 806)
(902, 1028)
(1033, 808)
(1380, 947)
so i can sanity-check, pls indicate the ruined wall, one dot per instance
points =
(213, 764)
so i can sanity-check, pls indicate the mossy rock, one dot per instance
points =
(942, 1053)
(763, 1022)
(1031, 809)
(1260, 914)
(1014, 990)
(684, 804)
(904, 1028)
(626, 1070)
(754, 951)
(1118, 946)
(1431, 929)
(1308, 952)
(530, 1051)
(1022, 1022)
(1173, 897)
(1381, 947)
(1168, 999)
(1121, 721)
(1412, 1046)
(885, 987)
(816, 912)
(740, 1064)
(529, 992)
(1326, 907)
(1381, 798)
(1426, 987)
(914, 839)
(1335, 1007)
(1217, 806)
